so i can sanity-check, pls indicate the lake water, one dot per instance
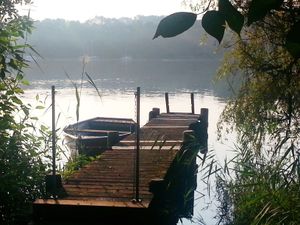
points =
(117, 81)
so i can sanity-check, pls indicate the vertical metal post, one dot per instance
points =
(167, 102)
(53, 132)
(192, 103)
(137, 163)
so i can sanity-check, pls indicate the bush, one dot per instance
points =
(263, 190)
(75, 163)
(22, 167)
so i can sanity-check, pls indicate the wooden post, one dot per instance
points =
(112, 138)
(151, 115)
(137, 162)
(167, 102)
(154, 113)
(53, 181)
(204, 116)
(204, 125)
(192, 103)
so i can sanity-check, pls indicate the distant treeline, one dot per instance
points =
(108, 38)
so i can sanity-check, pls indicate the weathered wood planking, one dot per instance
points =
(110, 180)
(112, 175)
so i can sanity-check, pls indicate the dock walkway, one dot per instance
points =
(109, 182)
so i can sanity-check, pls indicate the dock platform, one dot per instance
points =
(106, 188)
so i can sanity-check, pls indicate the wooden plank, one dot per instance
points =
(164, 127)
(164, 147)
(179, 115)
(71, 202)
(98, 131)
(150, 141)
(172, 119)
(113, 120)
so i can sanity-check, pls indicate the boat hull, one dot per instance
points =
(93, 136)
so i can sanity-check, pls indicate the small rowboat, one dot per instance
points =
(95, 135)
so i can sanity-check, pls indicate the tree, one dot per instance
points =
(265, 109)
(264, 52)
(22, 168)
(265, 113)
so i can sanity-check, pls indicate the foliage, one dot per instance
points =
(234, 15)
(261, 184)
(22, 168)
(262, 192)
(8, 10)
(265, 109)
(265, 113)
(12, 27)
(75, 163)
(175, 24)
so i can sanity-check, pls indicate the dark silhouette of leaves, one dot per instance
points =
(232, 16)
(293, 41)
(175, 24)
(213, 23)
(258, 9)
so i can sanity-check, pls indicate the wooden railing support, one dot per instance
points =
(167, 102)
(193, 103)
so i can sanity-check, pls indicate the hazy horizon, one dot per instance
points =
(83, 11)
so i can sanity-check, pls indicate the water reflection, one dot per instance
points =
(151, 75)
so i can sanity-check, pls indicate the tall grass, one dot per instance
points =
(78, 88)
(257, 189)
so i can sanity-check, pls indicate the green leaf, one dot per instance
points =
(213, 23)
(232, 16)
(39, 107)
(78, 103)
(2, 74)
(91, 81)
(25, 82)
(175, 24)
(16, 100)
(258, 9)
(44, 128)
(19, 76)
(293, 41)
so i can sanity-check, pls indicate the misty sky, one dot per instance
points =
(86, 9)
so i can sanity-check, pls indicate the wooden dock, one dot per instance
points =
(106, 189)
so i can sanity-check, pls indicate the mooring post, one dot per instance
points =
(137, 162)
(154, 113)
(53, 180)
(112, 138)
(167, 102)
(204, 125)
(192, 103)
(53, 132)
